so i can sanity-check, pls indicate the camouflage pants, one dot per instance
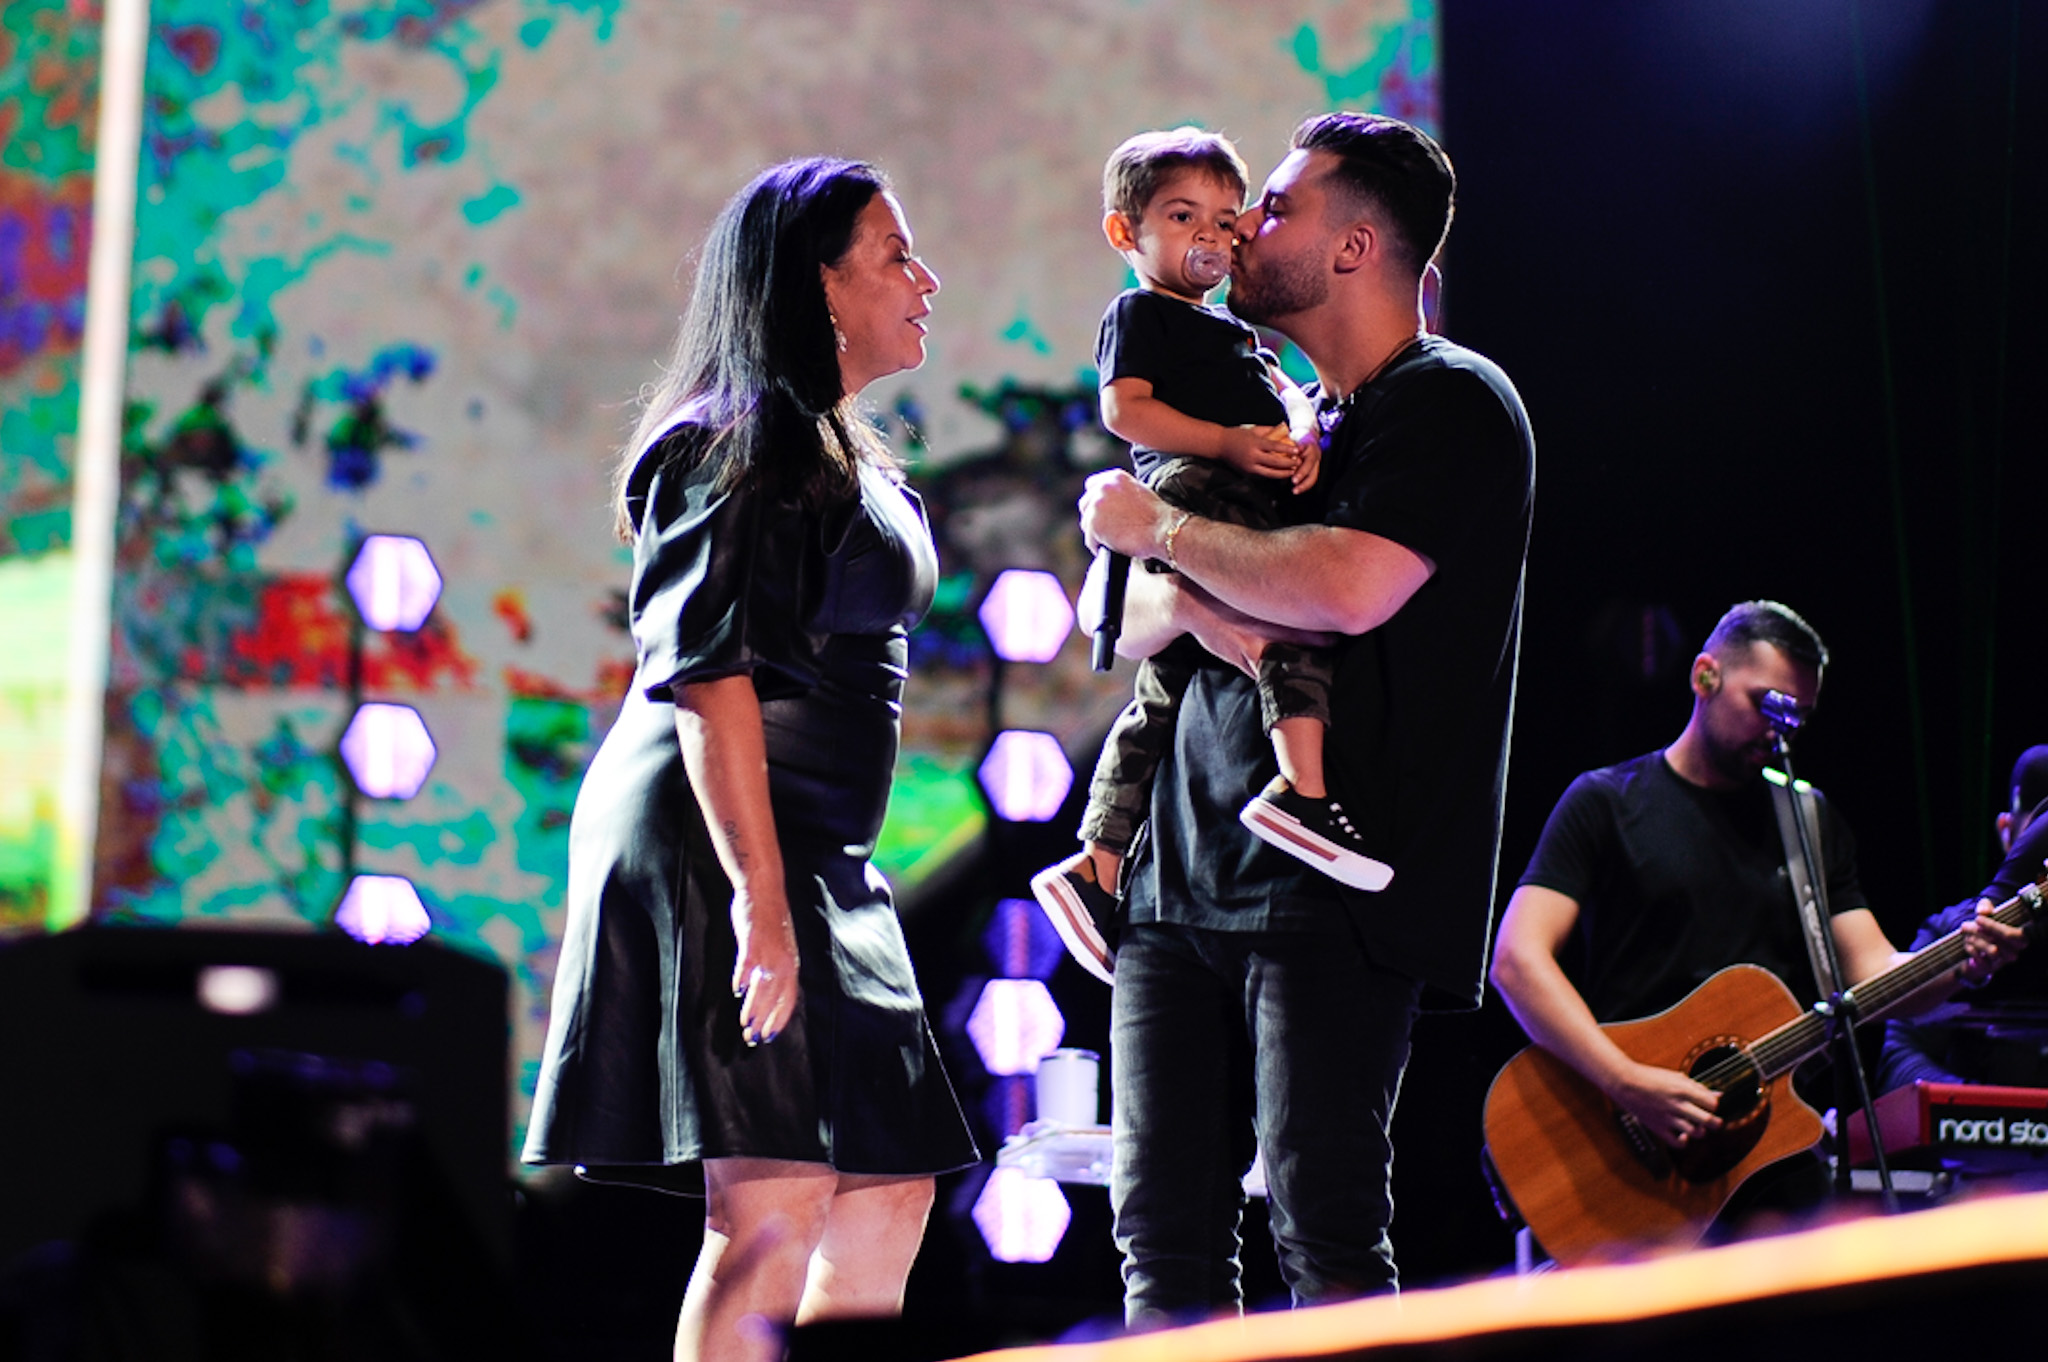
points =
(1294, 681)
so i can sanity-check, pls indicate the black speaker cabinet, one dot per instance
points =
(117, 1043)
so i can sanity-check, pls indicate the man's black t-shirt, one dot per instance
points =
(1201, 361)
(1675, 882)
(1436, 455)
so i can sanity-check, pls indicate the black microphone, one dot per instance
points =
(1116, 578)
(1782, 712)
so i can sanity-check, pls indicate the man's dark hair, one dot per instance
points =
(1136, 170)
(1391, 171)
(2030, 779)
(1754, 622)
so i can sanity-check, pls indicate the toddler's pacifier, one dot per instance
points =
(1206, 268)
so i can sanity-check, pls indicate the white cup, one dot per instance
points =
(1068, 1091)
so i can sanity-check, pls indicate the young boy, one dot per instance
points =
(1200, 403)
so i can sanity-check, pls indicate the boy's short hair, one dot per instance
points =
(1137, 168)
(1391, 169)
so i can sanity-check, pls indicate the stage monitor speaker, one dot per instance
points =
(114, 1040)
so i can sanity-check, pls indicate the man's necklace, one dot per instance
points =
(1331, 411)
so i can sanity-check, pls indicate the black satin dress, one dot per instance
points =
(644, 1073)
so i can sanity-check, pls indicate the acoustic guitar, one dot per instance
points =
(1588, 1179)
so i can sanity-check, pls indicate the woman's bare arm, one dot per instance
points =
(718, 726)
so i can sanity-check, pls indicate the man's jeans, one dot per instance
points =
(1295, 1037)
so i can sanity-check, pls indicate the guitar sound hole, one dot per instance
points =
(1741, 1090)
(1744, 1113)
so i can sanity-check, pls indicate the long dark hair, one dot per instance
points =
(755, 360)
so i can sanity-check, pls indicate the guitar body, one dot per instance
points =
(1586, 1181)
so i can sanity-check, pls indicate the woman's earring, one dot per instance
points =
(838, 336)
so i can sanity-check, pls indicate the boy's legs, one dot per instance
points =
(1120, 791)
(1294, 682)
(1216, 491)
(1079, 893)
(1296, 813)
(1294, 704)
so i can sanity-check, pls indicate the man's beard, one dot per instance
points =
(1278, 289)
(1737, 764)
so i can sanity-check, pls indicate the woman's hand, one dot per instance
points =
(764, 975)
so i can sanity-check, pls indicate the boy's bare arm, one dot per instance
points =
(1132, 413)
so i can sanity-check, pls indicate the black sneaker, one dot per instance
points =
(1084, 913)
(1316, 832)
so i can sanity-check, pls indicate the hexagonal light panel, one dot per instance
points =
(383, 910)
(1027, 615)
(388, 750)
(1015, 1023)
(394, 582)
(1021, 941)
(1021, 1218)
(1026, 775)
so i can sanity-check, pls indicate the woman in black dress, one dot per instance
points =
(734, 1010)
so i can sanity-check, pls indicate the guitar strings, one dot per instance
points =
(1784, 1047)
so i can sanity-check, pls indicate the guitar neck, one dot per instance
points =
(1881, 994)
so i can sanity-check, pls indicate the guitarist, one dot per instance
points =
(1669, 868)
(1943, 1049)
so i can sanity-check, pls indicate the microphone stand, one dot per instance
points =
(1839, 1010)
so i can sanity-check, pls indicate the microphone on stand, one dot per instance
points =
(1784, 714)
(1115, 579)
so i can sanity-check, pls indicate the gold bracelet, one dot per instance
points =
(1166, 540)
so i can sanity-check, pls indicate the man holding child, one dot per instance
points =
(1258, 1003)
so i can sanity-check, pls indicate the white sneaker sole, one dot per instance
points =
(1071, 919)
(1277, 828)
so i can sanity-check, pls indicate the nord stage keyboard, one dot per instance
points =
(1971, 1127)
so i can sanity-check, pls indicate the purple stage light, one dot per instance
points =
(388, 750)
(382, 910)
(1006, 1106)
(1021, 941)
(394, 582)
(1026, 775)
(1015, 1023)
(1027, 615)
(1021, 1218)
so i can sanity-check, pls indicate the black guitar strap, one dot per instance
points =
(1812, 898)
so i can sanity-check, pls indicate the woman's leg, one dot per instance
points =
(872, 1233)
(763, 1218)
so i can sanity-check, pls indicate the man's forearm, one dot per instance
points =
(1317, 577)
